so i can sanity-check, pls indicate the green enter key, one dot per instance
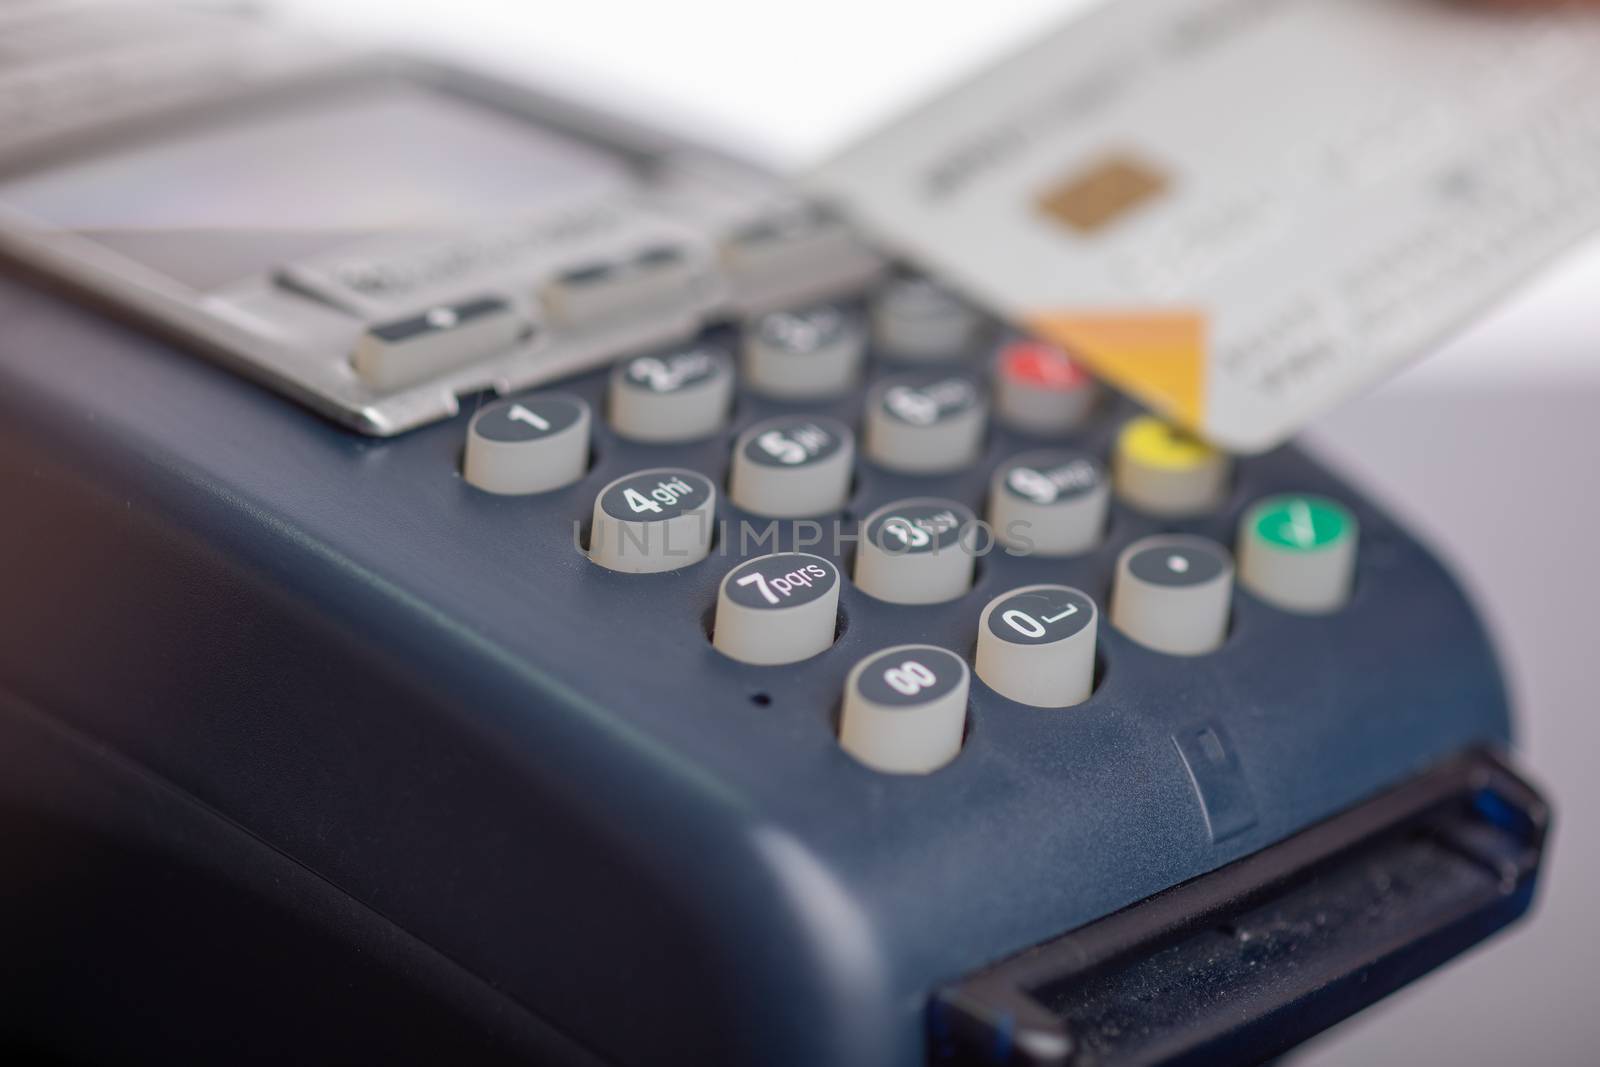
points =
(1298, 552)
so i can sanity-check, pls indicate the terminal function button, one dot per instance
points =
(916, 551)
(651, 281)
(396, 354)
(802, 355)
(1040, 390)
(531, 445)
(774, 609)
(1050, 503)
(925, 425)
(654, 520)
(1298, 552)
(905, 709)
(792, 466)
(1172, 594)
(681, 395)
(1161, 470)
(914, 318)
(1036, 645)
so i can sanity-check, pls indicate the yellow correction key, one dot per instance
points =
(1163, 470)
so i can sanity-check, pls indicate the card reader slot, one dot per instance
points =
(1244, 963)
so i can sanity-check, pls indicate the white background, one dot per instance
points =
(783, 82)
(1490, 448)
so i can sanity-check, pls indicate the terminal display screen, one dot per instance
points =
(218, 202)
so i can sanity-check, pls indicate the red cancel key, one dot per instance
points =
(1040, 390)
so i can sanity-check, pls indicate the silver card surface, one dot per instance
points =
(1242, 211)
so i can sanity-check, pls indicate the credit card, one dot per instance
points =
(1242, 211)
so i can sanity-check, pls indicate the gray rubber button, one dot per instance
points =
(793, 465)
(917, 319)
(528, 445)
(925, 424)
(1172, 593)
(918, 551)
(1049, 503)
(905, 709)
(1036, 645)
(681, 395)
(804, 354)
(775, 609)
(595, 295)
(423, 345)
(653, 520)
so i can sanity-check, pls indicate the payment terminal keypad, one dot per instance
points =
(732, 458)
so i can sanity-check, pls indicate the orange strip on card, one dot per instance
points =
(1157, 356)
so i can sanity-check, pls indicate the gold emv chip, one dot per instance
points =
(1096, 196)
